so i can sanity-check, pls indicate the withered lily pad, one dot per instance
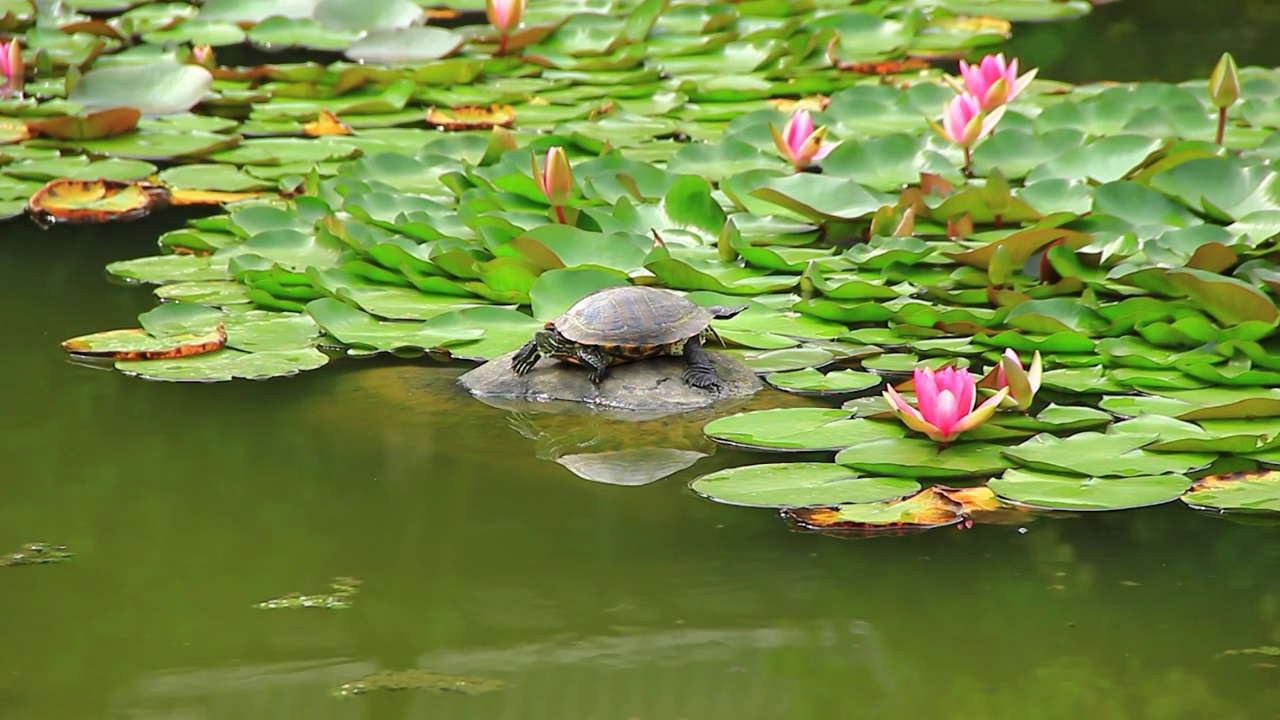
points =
(92, 201)
(138, 344)
(922, 511)
(472, 117)
(1253, 491)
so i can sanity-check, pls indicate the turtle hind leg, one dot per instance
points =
(700, 372)
(525, 358)
(596, 359)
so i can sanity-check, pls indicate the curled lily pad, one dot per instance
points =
(138, 344)
(922, 511)
(1051, 491)
(797, 430)
(801, 484)
(472, 117)
(1251, 491)
(92, 201)
(151, 88)
(102, 123)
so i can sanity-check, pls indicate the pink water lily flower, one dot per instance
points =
(993, 81)
(964, 123)
(944, 403)
(799, 142)
(12, 69)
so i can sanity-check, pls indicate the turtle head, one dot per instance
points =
(724, 312)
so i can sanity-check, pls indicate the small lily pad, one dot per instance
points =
(813, 382)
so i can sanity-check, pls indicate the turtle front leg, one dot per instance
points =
(526, 357)
(596, 359)
(700, 373)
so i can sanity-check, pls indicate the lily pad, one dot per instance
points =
(1253, 491)
(798, 485)
(798, 430)
(1050, 491)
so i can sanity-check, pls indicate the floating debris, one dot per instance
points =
(340, 598)
(417, 680)
(1271, 650)
(37, 554)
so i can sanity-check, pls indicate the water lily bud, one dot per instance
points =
(996, 192)
(203, 55)
(556, 178)
(12, 69)
(1001, 266)
(807, 289)
(1224, 82)
(1022, 384)
(505, 15)
(729, 235)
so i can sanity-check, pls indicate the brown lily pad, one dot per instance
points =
(93, 201)
(100, 124)
(326, 124)
(138, 344)
(924, 510)
(981, 505)
(472, 117)
(184, 196)
(1247, 491)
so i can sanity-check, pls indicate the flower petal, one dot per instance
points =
(980, 415)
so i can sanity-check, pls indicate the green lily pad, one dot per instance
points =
(1049, 491)
(798, 430)
(361, 330)
(812, 382)
(153, 88)
(910, 457)
(226, 365)
(1098, 455)
(802, 484)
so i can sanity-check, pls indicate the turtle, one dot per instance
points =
(623, 324)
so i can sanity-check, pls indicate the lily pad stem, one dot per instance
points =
(1222, 123)
(968, 161)
(560, 215)
(502, 44)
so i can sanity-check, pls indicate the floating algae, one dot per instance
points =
(416, 680)
(37, 554)
(343, 589)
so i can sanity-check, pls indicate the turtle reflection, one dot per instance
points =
(615, 449)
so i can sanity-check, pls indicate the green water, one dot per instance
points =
(482, 556)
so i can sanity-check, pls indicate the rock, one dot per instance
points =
(654, 386)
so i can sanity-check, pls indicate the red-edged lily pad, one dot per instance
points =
(924, 510)
(138, 344)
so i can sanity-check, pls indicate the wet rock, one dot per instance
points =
(654, 385)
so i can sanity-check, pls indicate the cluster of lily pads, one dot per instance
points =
(392, 201)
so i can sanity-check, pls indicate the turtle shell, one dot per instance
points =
(632, 315)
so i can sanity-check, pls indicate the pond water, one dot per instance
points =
(481, 556)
